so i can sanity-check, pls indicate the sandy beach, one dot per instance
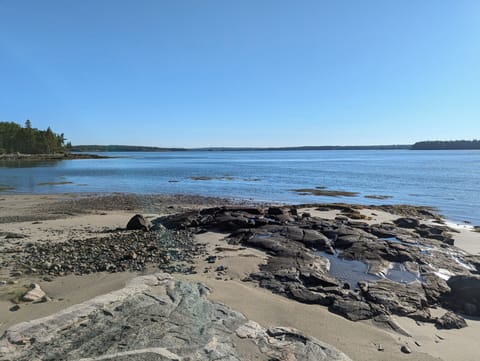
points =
(55, 218)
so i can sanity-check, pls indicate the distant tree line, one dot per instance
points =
(27, 140)
(448, 144)
(120, 148)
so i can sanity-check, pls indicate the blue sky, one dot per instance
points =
(242, 73)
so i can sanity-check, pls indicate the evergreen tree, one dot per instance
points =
(29, 140)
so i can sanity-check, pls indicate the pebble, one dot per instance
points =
(406, 349)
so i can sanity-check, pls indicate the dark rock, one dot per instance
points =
(449, 321)
(465, 294)
(400, 299)
(138, 222)
(407, 251)
(351, 309)
(405, 349)
(275, 211)
(407, 222)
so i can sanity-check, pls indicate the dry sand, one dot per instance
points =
(359, 340)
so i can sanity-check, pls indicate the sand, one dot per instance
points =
(359, 340)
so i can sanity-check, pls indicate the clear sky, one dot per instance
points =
(242, 73)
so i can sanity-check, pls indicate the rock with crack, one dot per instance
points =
(157, 318)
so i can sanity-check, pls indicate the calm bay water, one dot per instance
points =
(448, 180)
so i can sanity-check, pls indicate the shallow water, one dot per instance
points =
(354, 271)
(349, 271)
(448, 180)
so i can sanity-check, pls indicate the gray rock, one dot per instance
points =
(157, 318)
(35, 294)
(353, 310)
(450, 320)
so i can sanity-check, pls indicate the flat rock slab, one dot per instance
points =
(157, 318)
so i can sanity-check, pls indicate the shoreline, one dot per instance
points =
(48, 157)
(60, 217)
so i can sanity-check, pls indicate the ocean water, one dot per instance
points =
(447, 180)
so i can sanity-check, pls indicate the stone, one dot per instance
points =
(35, 294)
(450, 321)
(464, 295)
(407, 222)
(138, 222)
(156, 317)
(353, 310)
(405, 349)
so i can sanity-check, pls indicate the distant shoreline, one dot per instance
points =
(47, 157)
(427, 145)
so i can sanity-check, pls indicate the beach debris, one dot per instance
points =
(14, 308)
(138, 222)
(34, 294)
(405, 349)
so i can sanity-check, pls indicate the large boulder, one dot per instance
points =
(464, 295)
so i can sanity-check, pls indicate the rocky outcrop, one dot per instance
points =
(157, 318)
(358, 270)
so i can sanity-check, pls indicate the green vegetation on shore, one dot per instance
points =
(447, 145)
(27, 140)
(120, 148)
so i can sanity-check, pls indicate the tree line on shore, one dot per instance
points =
(28, 140)
(447, 145)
